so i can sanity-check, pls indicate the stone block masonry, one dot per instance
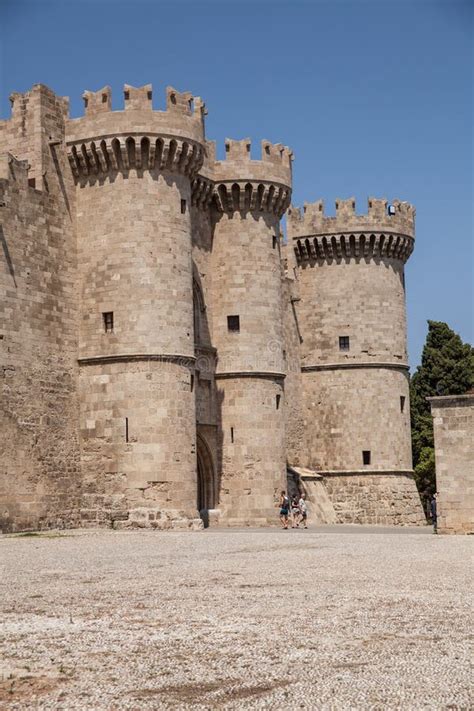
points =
(163, 355)
(453, 423)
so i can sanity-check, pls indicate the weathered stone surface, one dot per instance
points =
(453, 421)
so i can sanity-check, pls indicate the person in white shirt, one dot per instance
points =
(303, 510)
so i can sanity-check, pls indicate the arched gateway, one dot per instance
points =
(206, 489)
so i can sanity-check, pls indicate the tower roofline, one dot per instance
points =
(395, 217)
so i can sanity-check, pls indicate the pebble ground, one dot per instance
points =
(335, 618)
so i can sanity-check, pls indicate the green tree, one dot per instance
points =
(447, 368)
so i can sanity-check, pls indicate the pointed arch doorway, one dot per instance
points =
(206, 481)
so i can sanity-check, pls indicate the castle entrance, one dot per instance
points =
(206, 483)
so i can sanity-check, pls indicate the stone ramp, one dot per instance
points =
(320, 508)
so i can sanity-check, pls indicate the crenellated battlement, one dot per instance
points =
(396, 217)
(182, 118)
(97, 101)
(242, 183)
(275, 164)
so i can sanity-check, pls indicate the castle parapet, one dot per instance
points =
(385, 230)
(183, 117)
(257, 185)
(274, 165)
(391, 217)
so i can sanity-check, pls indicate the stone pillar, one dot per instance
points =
(453, 424)
(354, 357)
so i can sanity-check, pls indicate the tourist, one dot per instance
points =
(434, 513)
(303, 510)
(295, 512)
(284, 508)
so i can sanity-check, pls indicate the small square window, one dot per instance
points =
(366, 456)
(344, 344)
(183, 206)
(108, 318)
(233, 323)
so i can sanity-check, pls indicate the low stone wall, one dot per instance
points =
(453, 422)
(383, 498)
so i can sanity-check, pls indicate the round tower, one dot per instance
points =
(250, 196)
(133, 171)
(354, 356)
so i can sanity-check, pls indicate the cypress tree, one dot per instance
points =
(447, 368)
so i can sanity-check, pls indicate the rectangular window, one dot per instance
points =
(366, 456)
(344, 344)
(183, 206)
(192, 382)
(126, 429)
(275, 241)
(402, 403)
(108, 318)
(278, 398)
(233, 323)
(232, 435)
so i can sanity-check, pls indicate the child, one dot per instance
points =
(303, 510)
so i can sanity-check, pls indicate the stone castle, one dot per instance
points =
(166, 356)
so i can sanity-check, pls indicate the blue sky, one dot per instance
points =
(374, 97)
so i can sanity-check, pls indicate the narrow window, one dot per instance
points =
(366, 456)
(104, 98)
(192, 382)
(108, 317)
(275, 241)
(278, 398)
(183, 206)
(402, 403)
(126, 95)
(31, 182)
(232, 435)
(344, 343)
(233, 323)
(126, 429)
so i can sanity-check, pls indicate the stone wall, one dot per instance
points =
(453, 422)
(39, 448)
(390, 499)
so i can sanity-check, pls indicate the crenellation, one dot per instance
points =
(180, 102)
(377, 208)
(237, 150)
(395, 218)
(138, 98)
(97, 101)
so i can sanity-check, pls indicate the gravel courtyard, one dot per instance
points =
(335, 618)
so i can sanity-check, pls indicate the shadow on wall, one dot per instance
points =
(7, 255)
